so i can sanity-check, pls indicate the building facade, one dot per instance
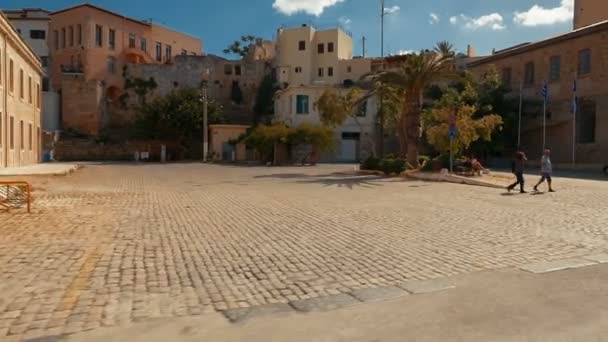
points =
(579, 57)
(20, 99)
(308, 62)
(33, 26)
(588, 12)
(89, 47)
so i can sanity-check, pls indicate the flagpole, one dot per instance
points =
(521, 102)
(574, 110)
(545, 96)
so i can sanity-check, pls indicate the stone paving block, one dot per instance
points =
(556, 265)
(378, 294)
(599, 258)
(427, 286)
(324, 303)
(45, 339)
(243, 314)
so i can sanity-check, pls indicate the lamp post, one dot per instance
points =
(205, 98)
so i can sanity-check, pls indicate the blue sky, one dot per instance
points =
(410, 25)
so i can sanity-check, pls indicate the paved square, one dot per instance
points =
(121, 243)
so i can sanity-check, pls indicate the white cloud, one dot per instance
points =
(538, 15)
(434, 18)
(344, 21)
(392, 10)
(493, 21)
(314, 7)
(405, 52)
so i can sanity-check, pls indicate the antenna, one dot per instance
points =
(363, 54)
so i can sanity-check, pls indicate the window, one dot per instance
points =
(38, 95)
(29, 137)
(11, 133)
(38, 34)
(237, 70)
(21, 84)
(45, 84)
(63, 38)
(21, 137)
(298, 70)
(79, 34)
(143, 45)
(19, 31)
(227, 69)
(584, 61)
(45, 61)
(507, 74)
(184, 52)
(529, 73)
(112, 39)
(330, 72)
(555, 65)
(349, 68)
(159, 52)
(330, 47)
(56, 39)
(320, 72)
(168, 53)
(71, 35)
(98, 36)
(131, 41)
(11, 76)
(29, 90)
(112, 65)
(585, 122)
(321, 48)
(1, 64)
(351, 136)
(301, 45)
(302, 104)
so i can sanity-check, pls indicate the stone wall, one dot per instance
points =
(89, 150)
(81, 103)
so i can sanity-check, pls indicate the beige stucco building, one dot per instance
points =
(308, 62)
(33, 26)
(89, 47)
(20, 99)
(580, 55)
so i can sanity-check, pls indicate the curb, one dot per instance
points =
(436, 177)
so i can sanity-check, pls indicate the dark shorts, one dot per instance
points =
(545, 176)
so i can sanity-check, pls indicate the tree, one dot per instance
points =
(470, 130)
(264, 101)
(178, 116)
(241, 47)
(335, 109)
(417, 73)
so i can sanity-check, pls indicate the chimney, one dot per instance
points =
(471, 51)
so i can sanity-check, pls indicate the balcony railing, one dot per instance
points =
(71, 69)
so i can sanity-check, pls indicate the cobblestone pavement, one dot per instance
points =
(115, 244)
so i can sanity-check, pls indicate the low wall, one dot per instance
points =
(87, 150)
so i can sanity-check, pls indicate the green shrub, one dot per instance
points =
(393, 166)
(371, 163)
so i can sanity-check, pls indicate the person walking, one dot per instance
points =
(546, 169)
(518, 166)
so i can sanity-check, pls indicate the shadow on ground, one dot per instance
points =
(348, 180)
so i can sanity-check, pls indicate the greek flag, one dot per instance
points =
(575, 100)
(545, 91)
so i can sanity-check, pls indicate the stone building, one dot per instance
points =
(90, 46)
(33, 26)
(20, 99)
(308, 62)
(218, 74)
(580, 55)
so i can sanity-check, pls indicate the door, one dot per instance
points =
(227, 150)
(350, 146)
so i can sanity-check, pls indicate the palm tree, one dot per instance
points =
(411, 79)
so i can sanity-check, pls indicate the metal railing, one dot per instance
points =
(15, 194)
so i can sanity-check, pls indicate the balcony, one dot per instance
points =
(71, 69)
(137, 56)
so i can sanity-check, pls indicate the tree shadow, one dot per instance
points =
(346, 180)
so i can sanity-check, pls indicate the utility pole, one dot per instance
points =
(363, 54)
(382, 14)
(205, 123)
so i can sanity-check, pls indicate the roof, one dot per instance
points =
(32, 57)
(523, 48)
(22, 14)
(102, 10)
